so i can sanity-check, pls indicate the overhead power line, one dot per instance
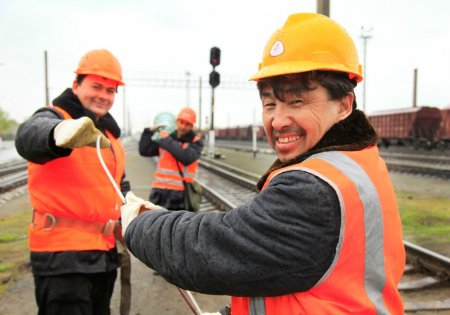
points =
(181, 80)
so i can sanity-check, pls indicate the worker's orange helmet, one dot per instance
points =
(307, 42)
(187, 114)
(101, 62)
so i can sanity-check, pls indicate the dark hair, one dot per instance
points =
(337, 84)
(80, 78)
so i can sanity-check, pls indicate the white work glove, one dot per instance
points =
(77, 133)
(133, 207)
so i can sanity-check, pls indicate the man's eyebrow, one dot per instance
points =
(266, 94)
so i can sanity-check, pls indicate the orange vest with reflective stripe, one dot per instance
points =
(76, 187)
(167, 175)
(370, 254)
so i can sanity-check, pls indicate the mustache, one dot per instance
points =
(292, 130)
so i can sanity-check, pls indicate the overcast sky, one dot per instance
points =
(166, 39)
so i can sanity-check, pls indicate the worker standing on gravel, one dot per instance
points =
(324, 235)
(74, 258)
(179, 152)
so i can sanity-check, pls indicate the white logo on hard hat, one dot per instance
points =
(277, 49)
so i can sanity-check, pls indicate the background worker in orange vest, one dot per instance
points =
(74, 258)
(324, 235)
(178, 152)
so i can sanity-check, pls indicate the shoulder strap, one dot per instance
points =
(179, 170)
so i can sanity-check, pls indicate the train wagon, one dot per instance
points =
(416, 126)
(444, 130)
(240, 133)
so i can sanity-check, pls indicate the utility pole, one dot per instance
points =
(200, 103)
(124, 113)
(254, 130)
(323, 7)
(366, 33)
(415, 88)
(187, 89)
(47, 97)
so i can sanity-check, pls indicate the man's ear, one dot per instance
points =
(74, 86)
(346, 106)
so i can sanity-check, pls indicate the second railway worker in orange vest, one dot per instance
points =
(74, 258)
(324, 235)
(178, 152)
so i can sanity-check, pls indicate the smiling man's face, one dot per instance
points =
(96, 93)
(297, 124)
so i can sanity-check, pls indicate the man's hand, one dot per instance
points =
(163, 134)
(77, 133)
(133, 207)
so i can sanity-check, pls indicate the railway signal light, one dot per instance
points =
(214, 78)
(214, 57)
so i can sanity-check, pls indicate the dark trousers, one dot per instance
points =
(75, 294)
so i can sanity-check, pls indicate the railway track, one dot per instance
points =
(12, 175)
(425, 286)
(437, 166)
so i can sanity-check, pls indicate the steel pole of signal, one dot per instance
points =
(214, 81)
(211, 127)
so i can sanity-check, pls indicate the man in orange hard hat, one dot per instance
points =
(178, 154)
(323, 235)
(73, 251)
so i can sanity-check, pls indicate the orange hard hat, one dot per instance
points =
(187, 114)
(101, 62)
(307, 42)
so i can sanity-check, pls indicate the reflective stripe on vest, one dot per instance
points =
(362, 185)
(374, 276)
(167, 174)
(76, 187)
(257, 306)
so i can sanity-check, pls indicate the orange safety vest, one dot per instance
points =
(77, 190)
(167, 174)
(370, 256)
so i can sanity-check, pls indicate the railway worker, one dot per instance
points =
(74, 258)
(323, 236)
(179, 152)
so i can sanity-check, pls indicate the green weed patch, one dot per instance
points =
(14, 252)
(424, 219)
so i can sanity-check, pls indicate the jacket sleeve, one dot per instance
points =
(282, 242)
(187, 155)
(34, 139)
(125, 185)
(148, 147)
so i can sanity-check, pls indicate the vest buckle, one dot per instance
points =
(50, 222)
(108, 228)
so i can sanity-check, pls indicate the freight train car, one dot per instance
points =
(416, 126)
(240, 133)
(444, 130)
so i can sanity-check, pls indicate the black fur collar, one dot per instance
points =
(188, 137)
(71, 104)
(352, 134)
